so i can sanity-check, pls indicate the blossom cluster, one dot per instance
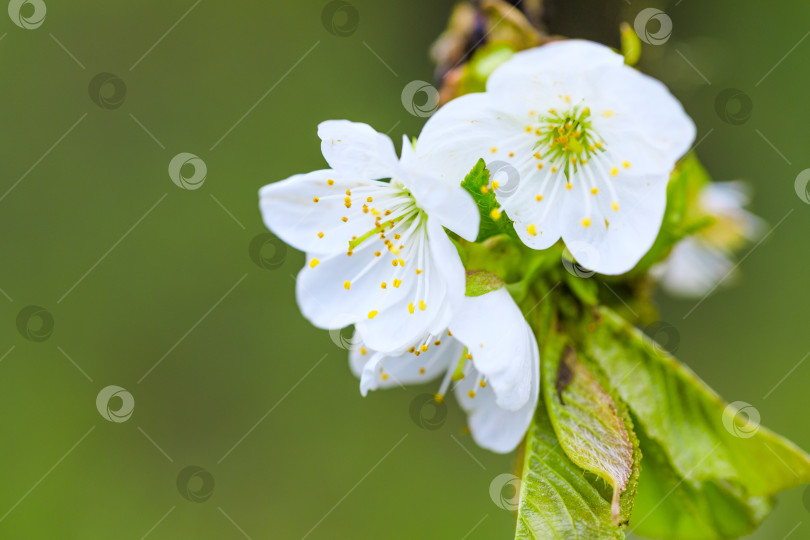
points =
(592, 143)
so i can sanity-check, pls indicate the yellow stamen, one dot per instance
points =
(372, 314)
(313, 263)
(410, 308)
(347, 285)
(397, 283)
(422, 305)
(532, 230)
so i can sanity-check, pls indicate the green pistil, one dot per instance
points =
(568, 138)
(458, 373)
(376, 230)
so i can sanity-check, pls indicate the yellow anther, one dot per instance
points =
(350, 253)
(397, 237)
(372, 314)
(594, 191)
(383, 285)
(484, 189)
(449, 333)
(437, 342)
(532, 230)
(377, 253)
(363, 350)
(495, 184)
(554, 169)
(421, 371)
(528, 129)
(345, 219)
(495, 214)
(586, 222)
(423, 348)
(493, 149)
(411, 349)
(511, 154)
(482, 384)
(615, 206)
(626, 164)
(394, 262)
(313, 263)
(537, 155)
(315, 199)
(468, 356)
(401, 263)
(384, 376)
(418, 271)
(438, 398)
(349, 192)
(320, 235)
(568, 185)
(397, 283)
(330, 182)
(614, 171)
(422, 305)
(410, 308)
(538, 198)
(471, 393)
(539, 166)
(369, 199)
(347, 205)
(347, 285)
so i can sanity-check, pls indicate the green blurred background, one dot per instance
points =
(137, 271)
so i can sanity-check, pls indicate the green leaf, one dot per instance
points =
(631, 44)
(493, 221)
(479, 282)
(557, 499)
(719, 454)
(587, 421)
(669, 507)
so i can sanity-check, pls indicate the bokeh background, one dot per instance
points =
(155, 289)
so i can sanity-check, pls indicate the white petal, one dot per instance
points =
(611, 239)
(642, 106)
(693, 269)
(444, 201)
(377, 370)
(462, 132)
(523, 70)
(355, 148)
(289, 210)
(493, 427)
(501, 344)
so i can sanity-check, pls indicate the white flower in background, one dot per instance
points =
(377, 253)
(593, 141)
(490, 354)
(700, 262)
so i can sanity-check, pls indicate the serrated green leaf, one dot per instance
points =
(493, 221)
(557, 500)
(702, 437)
(586, 419)
(671, 508)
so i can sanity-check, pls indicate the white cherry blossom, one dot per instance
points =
(489, 353)
(592, 140)
(373, 229)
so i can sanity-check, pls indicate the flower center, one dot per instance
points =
(568, 138)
